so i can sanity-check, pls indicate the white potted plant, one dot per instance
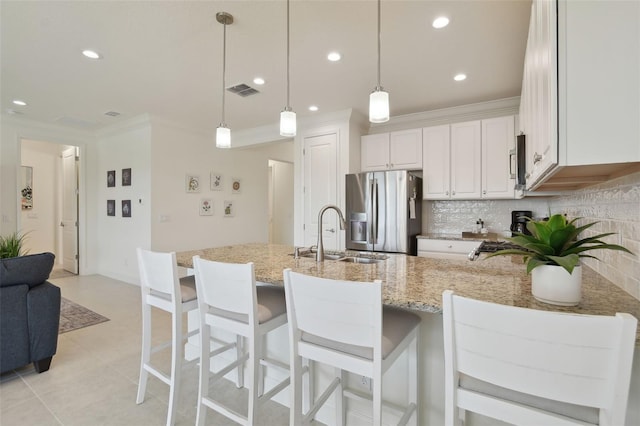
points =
(552, 253)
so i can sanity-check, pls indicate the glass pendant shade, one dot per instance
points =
(379, 106)
(223, 137)
(287, 123)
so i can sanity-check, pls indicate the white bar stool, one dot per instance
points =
(344, 324)
(161, 288)
(530, 367)
(229, 300)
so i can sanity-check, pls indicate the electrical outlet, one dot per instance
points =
(365, 382)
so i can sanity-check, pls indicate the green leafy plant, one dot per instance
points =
(554, 242)
(12, 245)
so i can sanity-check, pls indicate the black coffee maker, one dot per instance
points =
(519, 219)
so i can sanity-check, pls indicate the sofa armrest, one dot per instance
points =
(32, 269)
(43, 310)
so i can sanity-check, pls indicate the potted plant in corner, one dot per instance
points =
(12, 245)
(552, 253)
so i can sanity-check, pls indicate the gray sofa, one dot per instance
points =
(29, 312)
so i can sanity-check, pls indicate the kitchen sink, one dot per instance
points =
(327, 256)
(359, 260)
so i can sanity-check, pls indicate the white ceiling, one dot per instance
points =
(164, 58)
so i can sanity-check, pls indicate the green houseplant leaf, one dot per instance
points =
(554, 242)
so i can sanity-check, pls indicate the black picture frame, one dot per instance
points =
(126, 177)
(126, 208)
(111, 207)
(111, 178)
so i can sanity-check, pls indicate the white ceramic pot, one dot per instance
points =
(553, 284)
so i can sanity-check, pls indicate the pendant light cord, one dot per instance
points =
(379, 37)
(224, 67)
(288, 108)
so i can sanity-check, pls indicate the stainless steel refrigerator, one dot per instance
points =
(383, 211)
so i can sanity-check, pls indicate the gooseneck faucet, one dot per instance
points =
(343, 224)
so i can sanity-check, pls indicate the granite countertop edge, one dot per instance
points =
(417, 283)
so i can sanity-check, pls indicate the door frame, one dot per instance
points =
(82, 197)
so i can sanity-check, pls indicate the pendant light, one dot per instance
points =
(379, 99)
(223, 133)
(287, 116)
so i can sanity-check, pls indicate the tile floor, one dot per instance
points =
(94, 375)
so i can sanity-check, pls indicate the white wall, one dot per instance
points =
(118, 236)
(281, 202)
(177, 152)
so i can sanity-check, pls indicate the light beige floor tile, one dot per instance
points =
(29, 411)
(94, 375)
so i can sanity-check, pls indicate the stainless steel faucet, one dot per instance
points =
(343, 224)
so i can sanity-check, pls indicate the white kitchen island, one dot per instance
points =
(417, 284)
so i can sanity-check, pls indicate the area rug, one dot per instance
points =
(74, 316)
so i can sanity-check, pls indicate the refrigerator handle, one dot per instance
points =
(374, 212)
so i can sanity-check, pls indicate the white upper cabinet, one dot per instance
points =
(465, 160)
(498, 158)
(451, 159)
(401, 150)
(580, 101)
(471, 160)
(436, 160)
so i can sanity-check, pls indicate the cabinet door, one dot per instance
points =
(435, 161)
(375, 152)
(498, 145)
(542, 134)
(405, 149)
(465, 160)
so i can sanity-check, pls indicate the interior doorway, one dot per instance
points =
(280, 183)
(51, 221)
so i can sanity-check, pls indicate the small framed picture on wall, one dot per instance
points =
(111, 207)
(228, 209)
(206, 207)
(192, 183)
(236, 185)
(126, 208)
(126, 177)
(111, 178)
(217, 181)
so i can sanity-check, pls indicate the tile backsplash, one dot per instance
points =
(614, 204)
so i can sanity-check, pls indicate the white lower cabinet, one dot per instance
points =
(446, 249)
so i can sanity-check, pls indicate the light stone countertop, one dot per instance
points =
(417, 283)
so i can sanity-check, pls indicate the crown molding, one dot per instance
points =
(477, 111)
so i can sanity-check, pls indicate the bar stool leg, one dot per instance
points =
(146, 353)
(176, 367)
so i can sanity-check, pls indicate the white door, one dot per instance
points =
(320, 177)
(69, 220)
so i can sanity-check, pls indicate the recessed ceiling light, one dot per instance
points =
(313, 108)
(440, 22)
(259, 81)
(19, 102)
(334, 56)
(460, 77)
(91, 54)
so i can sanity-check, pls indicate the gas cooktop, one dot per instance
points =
(492, 247)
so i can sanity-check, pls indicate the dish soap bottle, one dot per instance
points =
(478, 226)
